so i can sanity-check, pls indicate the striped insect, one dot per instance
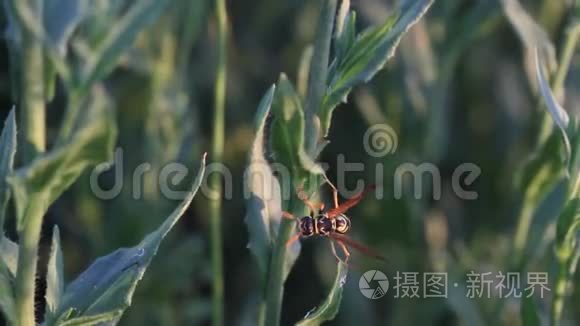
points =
(332, 223)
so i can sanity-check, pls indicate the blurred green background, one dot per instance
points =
(457, 91)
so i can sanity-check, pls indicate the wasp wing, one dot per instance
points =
(342, 208)
(359, 247)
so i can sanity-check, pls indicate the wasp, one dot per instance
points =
(332, 223)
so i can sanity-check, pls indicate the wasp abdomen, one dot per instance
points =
(342, 224)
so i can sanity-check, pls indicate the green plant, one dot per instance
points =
(568, 222)
(41, 46)
(555, 161)
(295, 136)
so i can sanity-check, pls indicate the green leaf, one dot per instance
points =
(318, 73)
(367, 55)
(567, 227)
(529, 312)
(54, 277)
(264, 206)
(293, 167)
(287, 138)
(92, 142)
(341, 18)
(107, 318)
(8, 261)
(329, 308)
(12, 32)
(7, 152)
(542, 171)
(557, 112)
(61, 17)
(121, 36)
(107, 286)
(346, 37)
(9, 255)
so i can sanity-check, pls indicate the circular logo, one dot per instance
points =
(380, 140)
(381, 284)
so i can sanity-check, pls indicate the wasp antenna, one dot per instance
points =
(288, 215)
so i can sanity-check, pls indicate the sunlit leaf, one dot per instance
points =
(287, 138)
(367, 55)
(329, 308)
(341, 18)
(105, 289)
(54, 277)
(264, 206)
(7, 152)
(304, 71)
(557, 112)
(567, 227)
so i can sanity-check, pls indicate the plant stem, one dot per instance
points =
(566, 58)
(32, 110)
(27, 261)
(33, 140)
(70, 117)
(275, 285)
(523, 226)
(566, 269)
(559, 294)
(217, 155)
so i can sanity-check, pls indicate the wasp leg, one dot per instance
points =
(338, 258)
(293, 239)
(315, 208)
(334, 192)
(334, 251)
(288, 216)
